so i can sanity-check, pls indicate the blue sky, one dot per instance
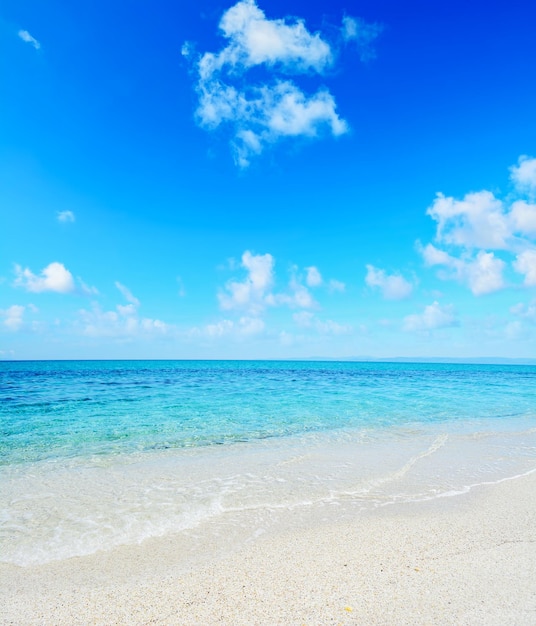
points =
(267, 179)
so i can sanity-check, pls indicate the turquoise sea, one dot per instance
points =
(96, 454)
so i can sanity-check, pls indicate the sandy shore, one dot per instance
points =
(468, 559)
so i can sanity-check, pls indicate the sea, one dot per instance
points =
(100, 454)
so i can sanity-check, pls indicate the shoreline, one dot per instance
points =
(466, 559)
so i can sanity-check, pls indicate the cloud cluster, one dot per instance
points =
(392, 286)
(123, 322)
(262, 112)
(13, 317)
(306, 319)
(243, 327)
(253, 293)
(433, 317)
(479, 227)
(54, 277)
(523, 175)
(256, 292)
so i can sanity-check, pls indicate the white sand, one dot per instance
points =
(468, 559)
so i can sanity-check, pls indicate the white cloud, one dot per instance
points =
(54, 277)
(299, 296)
(483, 274)
(524, 325)
(433, 317)
(305, 319)
(525, 311)
(434, 256)
(126, 309)
(250, 325)
(65, 216)
(392, 286)
(523, 218)
(356, 30)
(313, 278)
(219, 329)
(523, 175)
(127, 294)
(87, 289)
(260, 114)
(255, 292)
(480, 222)
(336, 285)
(251, 294)
(525, 264)
(266, 114)
(244, 327)
(477, 221)
(329, 327)
(25, 36)
(13, 317)
(254, 40)
(123, 322)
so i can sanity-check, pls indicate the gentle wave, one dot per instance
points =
(59, 510)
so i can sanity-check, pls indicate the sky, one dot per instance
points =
(265, 179)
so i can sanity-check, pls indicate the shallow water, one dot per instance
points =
(99, 454)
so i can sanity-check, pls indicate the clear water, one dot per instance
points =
(98, 454)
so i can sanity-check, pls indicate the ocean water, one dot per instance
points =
(96, 454)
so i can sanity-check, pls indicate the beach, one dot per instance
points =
(466, 559)
(267, 493)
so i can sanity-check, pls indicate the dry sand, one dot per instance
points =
(469, 559)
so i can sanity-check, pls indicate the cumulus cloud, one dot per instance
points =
(433, 317)
(254, 40)
(477, 221)
(474, 228)
(525, 311)
(54, 277)
(261, 113)
(253, 293)
(392, 286)
(123, 322)
(13, 317)
(336, 285)
(523, 175)
(25, 36)
(483, 273)
(523, 218)
(297, 296)
(313, 278)
(65, 216)
(244, 327)
(525, 264)
(306, 319)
